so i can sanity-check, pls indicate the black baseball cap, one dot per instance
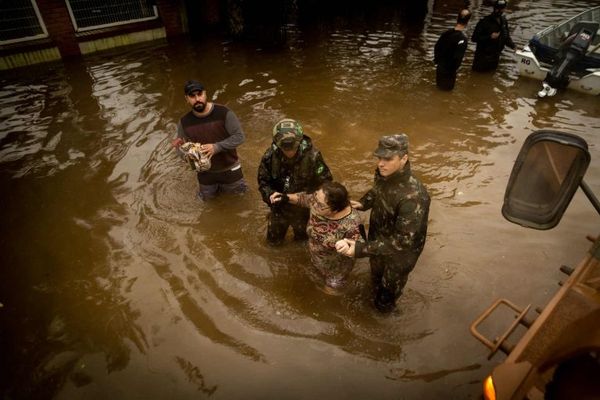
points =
(192, 86)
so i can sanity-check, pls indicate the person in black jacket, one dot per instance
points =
(449, 52)
(399, 205)
(290, 165)
(491, 35)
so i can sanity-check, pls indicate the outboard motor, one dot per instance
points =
(571, 51)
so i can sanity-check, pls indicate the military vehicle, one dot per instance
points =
(558, 355)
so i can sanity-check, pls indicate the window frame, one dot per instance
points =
(41, 23)
(108, 25)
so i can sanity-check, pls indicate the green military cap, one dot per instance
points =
(391, 145)
(287, 134)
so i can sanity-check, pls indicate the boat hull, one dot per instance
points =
(530, 67)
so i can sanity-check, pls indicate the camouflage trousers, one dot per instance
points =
(281, 218)
(389, 276)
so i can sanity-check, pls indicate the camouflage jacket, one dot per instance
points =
(398, 222)
(303, 173)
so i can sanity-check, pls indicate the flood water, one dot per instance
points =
(118, 283)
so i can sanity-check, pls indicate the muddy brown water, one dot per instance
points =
(117, 282)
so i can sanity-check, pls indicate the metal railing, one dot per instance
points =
(93, 14)
(20, 21)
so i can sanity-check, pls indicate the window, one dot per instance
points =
(93, 14)
(20, 20)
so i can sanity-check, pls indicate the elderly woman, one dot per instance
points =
(331, 219)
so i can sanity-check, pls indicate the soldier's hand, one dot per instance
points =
(495, 35)
(356, 204)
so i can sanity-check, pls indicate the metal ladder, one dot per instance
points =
(500, 343)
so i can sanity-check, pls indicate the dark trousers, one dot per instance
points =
(281, 218)
(483, 62)
(210, 184)
(445, 79)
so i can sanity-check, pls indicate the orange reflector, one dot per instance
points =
(489, 393)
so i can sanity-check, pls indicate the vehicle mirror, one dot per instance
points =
(545, 176)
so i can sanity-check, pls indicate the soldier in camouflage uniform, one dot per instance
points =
(399, 206)
(290, 165)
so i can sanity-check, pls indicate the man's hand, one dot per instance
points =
(495, 35)
(177, 142)
(356, 204)
(208, 150)
(346, 247)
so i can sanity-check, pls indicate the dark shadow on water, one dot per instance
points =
(408, 375)
(61, 299)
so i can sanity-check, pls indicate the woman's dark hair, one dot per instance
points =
(336, 196)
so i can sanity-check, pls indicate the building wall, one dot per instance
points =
(63, 41)
(60, 28)
(172, 14)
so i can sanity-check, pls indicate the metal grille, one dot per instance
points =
(93, 14)
(20, 21)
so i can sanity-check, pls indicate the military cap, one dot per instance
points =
(500, 4)
(287, 134)
(391, 145)
(192, 86)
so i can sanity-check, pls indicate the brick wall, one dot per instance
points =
(170, 12)
(60, 28)
(61, 33)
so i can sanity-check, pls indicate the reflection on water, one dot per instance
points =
(118, 282)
